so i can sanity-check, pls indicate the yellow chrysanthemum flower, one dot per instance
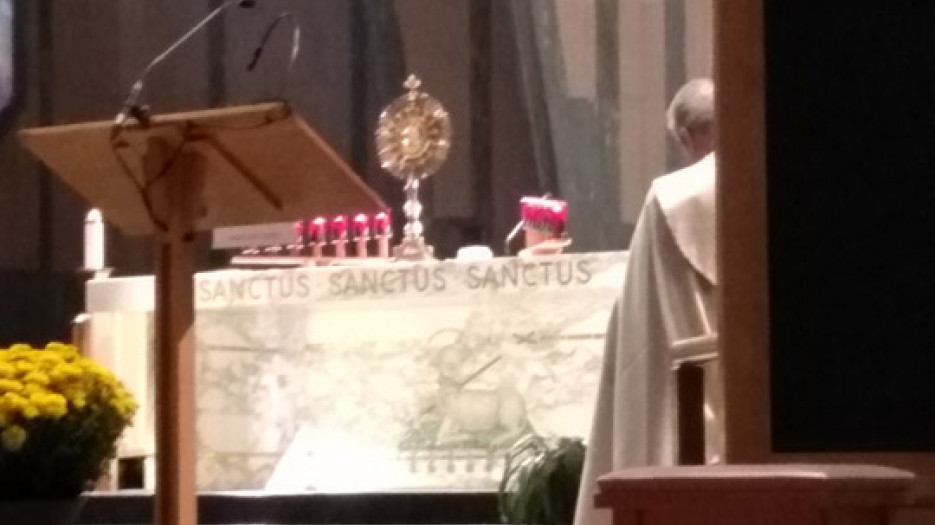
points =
(48, 384)
(13, 437)
(17, 405)
(50, 358)
(29, 411)
(50, 405)
(36, 377)
(10, 385)
(79, 401)
(65, 372)
(24, 367)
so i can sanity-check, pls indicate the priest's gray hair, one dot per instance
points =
(692, 108)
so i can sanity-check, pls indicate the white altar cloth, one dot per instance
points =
(387, 377)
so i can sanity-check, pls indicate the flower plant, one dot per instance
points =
(60, 417)
(540, 481)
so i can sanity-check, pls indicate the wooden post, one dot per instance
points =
(741, 227)
(691, 429)
(175, 180)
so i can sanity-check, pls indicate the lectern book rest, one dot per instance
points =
(264, 164)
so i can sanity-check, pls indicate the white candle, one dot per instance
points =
(94, 240)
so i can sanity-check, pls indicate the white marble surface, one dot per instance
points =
(396, 376)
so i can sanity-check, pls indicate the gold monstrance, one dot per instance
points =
(413, 138)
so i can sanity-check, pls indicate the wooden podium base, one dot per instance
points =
(175, 190)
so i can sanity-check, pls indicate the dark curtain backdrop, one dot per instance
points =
(378, 69)
(575, 138)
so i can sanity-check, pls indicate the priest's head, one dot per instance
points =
(690, 118)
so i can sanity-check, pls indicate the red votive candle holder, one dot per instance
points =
(339, 227)
(382, 224)
(361, 233)
(361, 226)
(383, 231)
(543, 219)
(318, 230)
(339, 236)
(318, 235)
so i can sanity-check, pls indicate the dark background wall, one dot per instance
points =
(851, 199)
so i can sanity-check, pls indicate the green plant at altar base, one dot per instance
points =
(540, 481)
(60, 417)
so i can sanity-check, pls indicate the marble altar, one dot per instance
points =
(402, 376)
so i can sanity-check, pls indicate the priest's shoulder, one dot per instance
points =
(686, 199)
(686, 183)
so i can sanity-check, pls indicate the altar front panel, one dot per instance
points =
(389, 377)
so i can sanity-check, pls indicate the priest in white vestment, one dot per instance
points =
(668, 296)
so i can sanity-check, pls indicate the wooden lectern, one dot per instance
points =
(186, 172)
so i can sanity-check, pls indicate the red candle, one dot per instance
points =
(543, 218)
(361, 226)
(559, 212)
(361, 233)
(538, 214)
(339, 228)
(382, 225)
(317, 230)
(339, 236)
(383, 230)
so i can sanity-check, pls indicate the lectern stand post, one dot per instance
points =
(175, 190)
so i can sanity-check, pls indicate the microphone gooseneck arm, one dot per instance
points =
(131, 104)
(293, 55)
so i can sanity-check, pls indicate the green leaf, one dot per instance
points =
(540, 481)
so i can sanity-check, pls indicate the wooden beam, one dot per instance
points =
(741, 227)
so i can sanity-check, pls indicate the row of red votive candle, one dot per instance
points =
(544, 215)
(337, 231)
(321, 230)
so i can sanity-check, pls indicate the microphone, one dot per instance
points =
(296, 44)
(131, 105)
